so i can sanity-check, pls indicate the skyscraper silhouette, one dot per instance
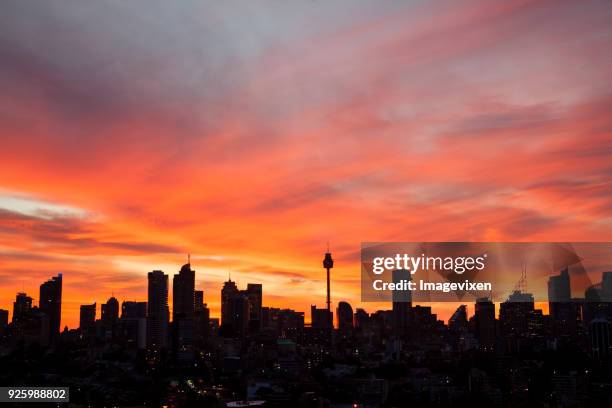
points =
(133, 323)
(199, 300)
(563, 312)
(484, 317)
(110, 316)
(157, 310)
(110, 311)
(241, 311)
(344, 314)
(21, 306)
(228, 293)
(183, 293)
(254, 294)
(559, 288)
(402, 305)
(51, 304)
(321, 318)
(87, 317)
(133, 310)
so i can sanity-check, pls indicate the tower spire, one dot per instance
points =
(328, 263)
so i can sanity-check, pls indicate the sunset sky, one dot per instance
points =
(250, 134)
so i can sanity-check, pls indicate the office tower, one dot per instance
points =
(133, 323)
(21, 307)
(344, 314)
(254, 294)
(51, 304)
(199, 300)
(484, 317)
(183, 285)
(157, 310)
(402, 305)
(228, 293)
(110, 312)
(87, 317)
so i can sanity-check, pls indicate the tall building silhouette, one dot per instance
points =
(254, 294)
(564, 313)
(402, 305)
(606, 286)
(559, 290)
(201, 318)
(199, 300)
(320, 318)
(600, 338)
(183, 293)
(110, 317)
(458, 322)
(484, 317)
(133, 323)
(110, 311)
(51, 304)
(133, 310)
(87, 317)
(228, 293)
(183, 308)
(21, 307)
(157, 310)
(241, 311)
(514, 314)
(516, 318)
(362, 319)
(344, 315)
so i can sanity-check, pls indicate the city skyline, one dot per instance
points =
(559, 290)
(251, 135)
